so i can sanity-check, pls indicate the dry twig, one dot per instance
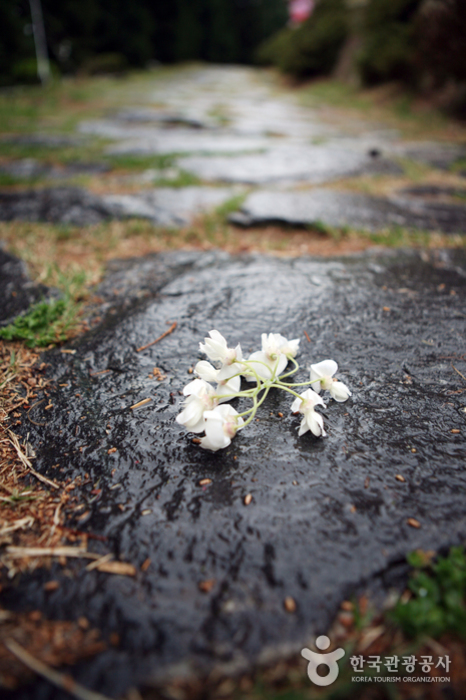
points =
(164, 335)
(61, 680)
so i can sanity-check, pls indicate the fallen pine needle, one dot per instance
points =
(121, 568)
(14, 441)
(18, 525)
(96, 374)
(461, 375)
(102, 560)
(307, 337)
(61, 680)
(141, 403)
(76, 552)
(164, 335)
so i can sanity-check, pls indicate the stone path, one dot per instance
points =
(328, 518)
(230, 125)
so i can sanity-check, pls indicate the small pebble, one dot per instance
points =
(413, 522)
(206, 586)
(51, 586)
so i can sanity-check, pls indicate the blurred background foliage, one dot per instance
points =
(420, 43)
(111, 35)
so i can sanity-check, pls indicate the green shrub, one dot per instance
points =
(312, 48)
(105, 63)
(389, 46)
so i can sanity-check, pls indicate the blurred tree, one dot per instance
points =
(133, 33)
(311, 48)
(389, 44)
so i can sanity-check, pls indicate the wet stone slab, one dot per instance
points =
(61, 205)
(327, 516)
(77, 207)
(304, 163)
(168, 206)
(146, 140)
(30, 168)
(409, 208)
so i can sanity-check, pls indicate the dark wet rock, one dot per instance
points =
(47, 140)
(167, 206)
(63, 205)
(168, 119)
(75, 206)
(435, 192)
(437, 155)
(17, 290)
(327, 517)
(316, 164)
(334, 208)
(30, 168)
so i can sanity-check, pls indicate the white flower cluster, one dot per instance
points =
(203, 411)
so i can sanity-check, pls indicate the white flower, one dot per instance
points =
(201, 398)
(225, 387)
(273, 358)
(275, 344)
(217, 350)
(323, 372)
(221, 426)
(312, 420)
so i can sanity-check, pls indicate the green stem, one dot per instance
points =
(290, 391)
(255, 407)
(293, 371)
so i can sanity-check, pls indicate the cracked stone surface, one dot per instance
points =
(327, 517)
(409, 208)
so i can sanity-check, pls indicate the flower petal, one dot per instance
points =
(339, 391)
(326, 368)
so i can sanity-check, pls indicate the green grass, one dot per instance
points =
(438, 602)
(51, 322)
(334, 94)
(46, 323)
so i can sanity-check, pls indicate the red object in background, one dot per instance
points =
(300, 10)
